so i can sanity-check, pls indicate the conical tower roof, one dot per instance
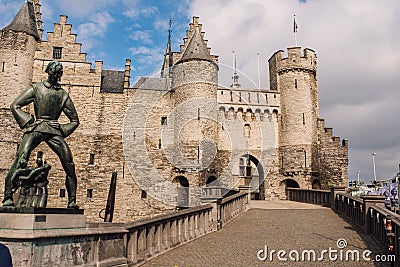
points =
(25, 21)
(196, 48)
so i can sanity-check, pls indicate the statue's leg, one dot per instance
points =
(22, 196)
(28, 143)
(61, 148)
(43, 198)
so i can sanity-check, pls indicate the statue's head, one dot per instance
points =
(23, 163)
(55, 70)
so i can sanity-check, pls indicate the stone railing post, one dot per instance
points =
(369, 201)
(245, 188)
(334, 191)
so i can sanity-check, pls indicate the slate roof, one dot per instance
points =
(196, 48)
(25, 21)
(146, 83)
(112, 81)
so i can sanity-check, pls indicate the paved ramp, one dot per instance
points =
(277, 225)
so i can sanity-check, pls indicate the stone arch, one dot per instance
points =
(275, 111)
(258, 110)
(183, 191)
(222, 108)
(285, 184)
(212, 181)
(316, 184)
(246, 164)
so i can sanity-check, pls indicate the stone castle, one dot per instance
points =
(169, 138)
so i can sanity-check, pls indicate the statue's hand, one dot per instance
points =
(30, 122)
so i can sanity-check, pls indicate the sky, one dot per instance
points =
(357, 44)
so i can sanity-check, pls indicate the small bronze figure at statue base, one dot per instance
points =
(33, 183)
(49, 101)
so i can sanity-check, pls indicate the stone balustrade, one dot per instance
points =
(378, 216)
(230, 207)
(318, 197)
(368, 213)
(150, 237)
(351, 207)
(47, 240)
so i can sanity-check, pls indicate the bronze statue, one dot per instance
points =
(33, 192)
(49, 101)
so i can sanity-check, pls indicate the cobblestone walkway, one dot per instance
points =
(278, 226)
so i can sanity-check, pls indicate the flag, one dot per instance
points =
(295, 27)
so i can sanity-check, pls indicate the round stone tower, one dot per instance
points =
(295, 77)
(194, 91)
(18, 43)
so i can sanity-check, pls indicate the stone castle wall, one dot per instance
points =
(147, 133)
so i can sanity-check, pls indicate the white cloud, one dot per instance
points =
(143, 36)
(8, 10)
(135, 12)
(90, 32)
(358, 62)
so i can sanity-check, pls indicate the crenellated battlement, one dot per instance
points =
(295, 60)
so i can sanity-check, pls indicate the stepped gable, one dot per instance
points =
(25, 21)
(195, 47)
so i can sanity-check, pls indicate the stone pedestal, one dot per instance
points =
(60, 237)
(41, 218)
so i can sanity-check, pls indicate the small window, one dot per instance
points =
(240, 97)
(159, 144)
(57, 52)
(295, 83)
(3, 66)
(91, 159)
(249, 98)
(143, 194)
(304, 119)
(62, 192)
(89, 193)
(163, 121)
(222, 92)
(231, 96)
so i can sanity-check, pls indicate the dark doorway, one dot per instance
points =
(182, 190)
(249, 166)
(316, 184)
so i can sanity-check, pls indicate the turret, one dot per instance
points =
(194, 88)
(295, 77)
(18, 43)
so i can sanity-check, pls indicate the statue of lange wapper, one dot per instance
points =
(49, 101)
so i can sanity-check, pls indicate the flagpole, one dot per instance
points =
(259, 79)
(295, 29)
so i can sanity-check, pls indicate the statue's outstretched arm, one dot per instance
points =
(72, 115)
(23, 118)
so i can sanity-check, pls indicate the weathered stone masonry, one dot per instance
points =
(274, 134)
